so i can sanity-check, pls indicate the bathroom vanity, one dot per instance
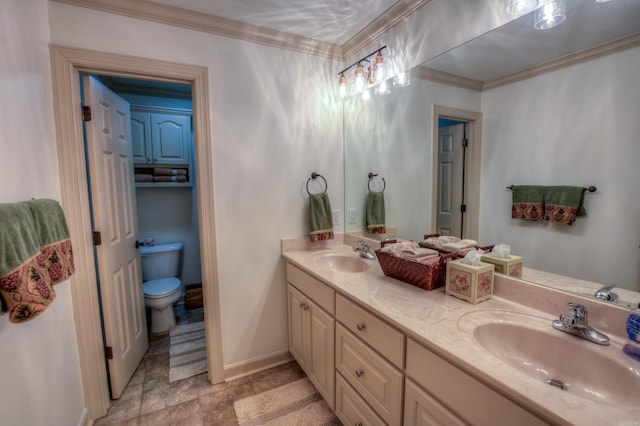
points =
(384, 352)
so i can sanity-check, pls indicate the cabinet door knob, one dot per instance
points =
(361, 326)
(360, 373)
(148, 159)
(304, 306)
(358, 424)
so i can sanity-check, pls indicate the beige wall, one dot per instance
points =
(575, 126)
(41, 383)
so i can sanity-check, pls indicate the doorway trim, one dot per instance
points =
(472, 176)
(66, 65)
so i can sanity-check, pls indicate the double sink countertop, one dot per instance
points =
(445, 324)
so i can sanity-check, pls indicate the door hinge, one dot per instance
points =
(86, 113)
(108, 352)
(463, 208)
(97, 238)
(465, 142)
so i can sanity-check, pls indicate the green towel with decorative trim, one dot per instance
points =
(527, 202)
(562, 204)
(375, 213)
(35, 252)
(321, 219)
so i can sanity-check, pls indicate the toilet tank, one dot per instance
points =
(161, 261)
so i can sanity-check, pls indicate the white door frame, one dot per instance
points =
(473, 164)
(66, 65)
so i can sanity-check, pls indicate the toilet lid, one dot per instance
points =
(160, 287)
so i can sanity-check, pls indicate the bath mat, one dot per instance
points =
(296, 403)
(187, 351)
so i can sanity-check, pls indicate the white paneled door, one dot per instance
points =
(110, 156)
(450, 180)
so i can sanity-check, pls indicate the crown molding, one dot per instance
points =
(604, 49)
(430, 74)
(396, 13)
(197, 21)
(566, 61)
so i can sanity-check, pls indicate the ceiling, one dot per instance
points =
(517, 46)
(329, 21)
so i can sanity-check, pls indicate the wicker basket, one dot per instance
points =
(426, 276)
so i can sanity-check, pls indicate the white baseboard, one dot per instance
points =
(244, 368)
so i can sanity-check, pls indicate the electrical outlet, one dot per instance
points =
(336, 217)
(352, 216)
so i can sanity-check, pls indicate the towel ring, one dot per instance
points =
(371, 176)
(315, 175)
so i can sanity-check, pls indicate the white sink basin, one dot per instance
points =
(342, 263)
(529, 344)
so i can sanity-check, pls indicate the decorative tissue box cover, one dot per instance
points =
(511, 266)
(471, 283)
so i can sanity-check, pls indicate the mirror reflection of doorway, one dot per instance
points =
(452, 144)
(463, 180)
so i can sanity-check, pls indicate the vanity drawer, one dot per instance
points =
(465, 396)
(377, 333)
(319, 292)
(373, 377)
(351, 409)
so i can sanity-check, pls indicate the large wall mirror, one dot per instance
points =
(541, 107)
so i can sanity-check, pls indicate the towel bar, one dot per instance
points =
(590, 188)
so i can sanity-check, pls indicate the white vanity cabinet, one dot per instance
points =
(161, 137)
(310, 309)
(437, 392)
(369, 358)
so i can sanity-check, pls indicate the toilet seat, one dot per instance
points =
(161, 287)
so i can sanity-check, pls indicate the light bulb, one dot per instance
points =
(382, 88)
(378, 67)
(401, 79)
(342, 86)
(366, 95)
(520, 7)
(359, 81)
(550, 14)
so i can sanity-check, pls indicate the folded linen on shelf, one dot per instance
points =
(527, 202)
(179, 178)
(161, 171)
(143, 177)
(562, 204)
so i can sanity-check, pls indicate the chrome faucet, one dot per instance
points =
(605, 293)
(577, 323)
(363, 249)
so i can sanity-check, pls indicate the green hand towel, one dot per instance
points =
(562, 204)
(528, 202)
(36, 253)
(321, 218)
(24, 286)
(375, 214)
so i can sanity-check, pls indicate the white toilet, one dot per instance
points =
(162, 288)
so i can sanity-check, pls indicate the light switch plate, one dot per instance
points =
(352, 216)
(336, 217)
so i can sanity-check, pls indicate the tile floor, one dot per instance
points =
(149, 398)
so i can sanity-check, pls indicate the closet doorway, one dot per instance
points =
(455, 192)
(67, 64)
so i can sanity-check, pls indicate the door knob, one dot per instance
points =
(138, 244)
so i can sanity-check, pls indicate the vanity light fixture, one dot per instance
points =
(549, 14)
(363, 79)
